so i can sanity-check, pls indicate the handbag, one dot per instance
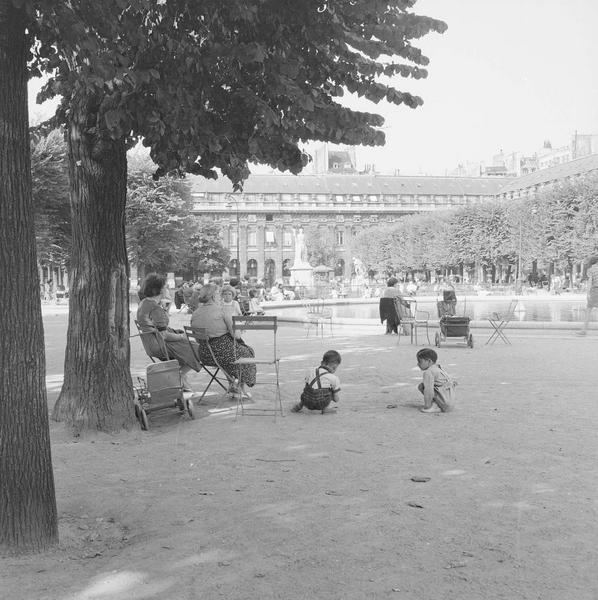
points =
(316, 398)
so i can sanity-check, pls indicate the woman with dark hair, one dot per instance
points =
(389, 310)
(218, 323)
(152, 316)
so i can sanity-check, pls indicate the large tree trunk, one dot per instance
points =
(97, 392)
(28, 520)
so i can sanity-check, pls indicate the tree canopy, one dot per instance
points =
(50, 187)
(159, 223)
(206, 254)
(211, 85)
(559, 226)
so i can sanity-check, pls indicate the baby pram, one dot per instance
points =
(163, 390)
(451, 325)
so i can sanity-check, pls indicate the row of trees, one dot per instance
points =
(557, 228)
(206, 85)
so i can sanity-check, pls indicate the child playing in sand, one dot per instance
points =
(437, 386)
(323, 386)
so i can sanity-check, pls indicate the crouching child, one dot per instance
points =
(437, 386)
(322, 386)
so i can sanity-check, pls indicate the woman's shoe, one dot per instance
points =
(432, 409)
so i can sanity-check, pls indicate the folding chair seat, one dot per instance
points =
(153, 344)
(499, 322)
(268, 357)
(413, 318)
(202, 350)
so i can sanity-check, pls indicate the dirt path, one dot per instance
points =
(314, 506)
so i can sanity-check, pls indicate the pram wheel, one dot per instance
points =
(470, 341)
(437, 340)
(189, 404)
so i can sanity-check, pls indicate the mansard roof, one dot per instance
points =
(355, 184)
(332, 184)
(573, 168)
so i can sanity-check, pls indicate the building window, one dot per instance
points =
(269, 217)
(232, 236)
(340, 237)
(287, 238)
(252, 268)
(252, 238)
(270, 239)
(252, 218)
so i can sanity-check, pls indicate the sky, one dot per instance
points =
(506, 75)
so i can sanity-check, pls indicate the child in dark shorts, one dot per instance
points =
(322, 386)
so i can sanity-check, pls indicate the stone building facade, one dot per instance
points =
(257, 224)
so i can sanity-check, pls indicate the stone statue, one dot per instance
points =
(359, 268)
(300, 250)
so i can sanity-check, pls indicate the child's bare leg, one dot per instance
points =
(441, 401)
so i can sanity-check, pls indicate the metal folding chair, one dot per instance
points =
(266, 324)
(413, 318)
(199, 337)
(500, 321)
(317, 314)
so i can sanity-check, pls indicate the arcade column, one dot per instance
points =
(243, 249)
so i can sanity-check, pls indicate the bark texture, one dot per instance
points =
(97, 392)
(28, 520)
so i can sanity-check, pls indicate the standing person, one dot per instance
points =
(389, 311)
(46, 291)
(151, 316)
(322, 386)
(52, 287)
(437, 386)
(592, 298)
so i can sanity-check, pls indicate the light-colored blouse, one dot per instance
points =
(213, 319)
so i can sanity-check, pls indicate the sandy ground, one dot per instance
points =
(326, 506)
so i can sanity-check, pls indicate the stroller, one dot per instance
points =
(451, 326)
(164, 390)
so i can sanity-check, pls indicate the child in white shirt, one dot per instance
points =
(437, 386)
(324, 382)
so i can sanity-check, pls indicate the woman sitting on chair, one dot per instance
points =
(218, 324)
(152, 316)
